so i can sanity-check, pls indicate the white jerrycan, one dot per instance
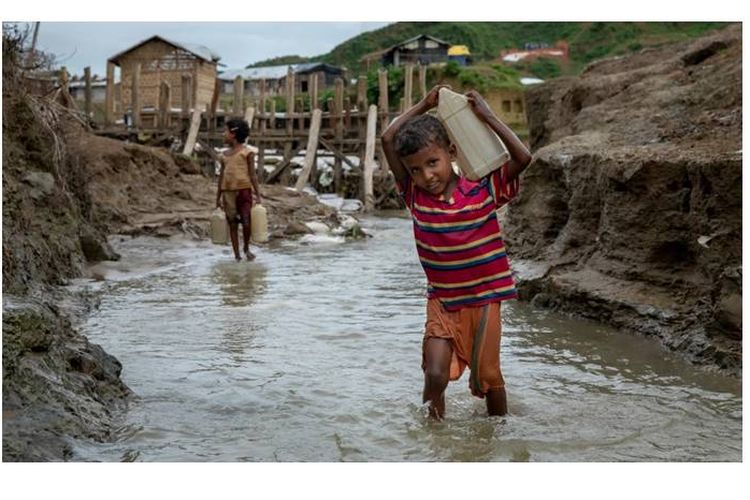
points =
(259, 224)
(219, 227)
(479, 149)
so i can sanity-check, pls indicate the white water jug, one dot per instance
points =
(480, 150)
(219, 227)
(259, 224)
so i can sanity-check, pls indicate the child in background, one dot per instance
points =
(460, 247)
(237, 184)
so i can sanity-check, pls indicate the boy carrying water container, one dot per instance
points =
(460, 246)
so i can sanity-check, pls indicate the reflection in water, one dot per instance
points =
(240, 282)
(313, 352)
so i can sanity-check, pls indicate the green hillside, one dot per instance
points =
(587, 41)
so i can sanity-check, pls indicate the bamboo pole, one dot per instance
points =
(185, 96)
(239, 94)
(314, 91)
(157, 96)
(300, 113)
(109, 98)
(87, 103)
(135, 95)
(383, 100)
(338, 133)
(263, 96)
(362, 93)
(310, 151)
(249, 116)
(369, 164)
(212, 106)
(195, 124)
(423, 80)
(289, 101)
(165, 106)
(408, 81)
(347, 113)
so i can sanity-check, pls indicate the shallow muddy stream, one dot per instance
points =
(313, 351)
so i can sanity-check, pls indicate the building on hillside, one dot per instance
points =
(163, 60)
(275, 78)
(535, 50)
(460, 54)
(422, 49)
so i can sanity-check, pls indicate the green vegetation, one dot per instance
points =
(588, 41)
(278, 61)
(484, 78)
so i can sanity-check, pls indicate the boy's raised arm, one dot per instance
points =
(520, 157)
(394, 161)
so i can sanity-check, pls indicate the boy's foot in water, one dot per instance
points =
(249, 255)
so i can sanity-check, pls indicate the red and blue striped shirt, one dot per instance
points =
(459, 241)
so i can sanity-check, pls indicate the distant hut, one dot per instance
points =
(460, 54)
(167, 61)
(423, 49)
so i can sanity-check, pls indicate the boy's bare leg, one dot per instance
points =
(437, 354)
(246, 241)
(497, 404)
(233, 228)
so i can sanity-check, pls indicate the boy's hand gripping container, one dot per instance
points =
(479, 149)
(259, 224)
(219, 229)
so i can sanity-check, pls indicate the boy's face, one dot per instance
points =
(228, 136)
(430, 167)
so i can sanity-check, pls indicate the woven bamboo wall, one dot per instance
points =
(162, 62)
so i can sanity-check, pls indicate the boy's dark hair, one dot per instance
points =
(240, 129)
(419, 132)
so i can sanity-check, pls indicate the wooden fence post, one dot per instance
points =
(165, 104)
(408, 81)
(369, 164)
(383, 100)
(135, 97)
(312, 148)
(239, 96)
(109, 98)
(87, 78)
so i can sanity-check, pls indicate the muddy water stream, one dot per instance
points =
(312, 353)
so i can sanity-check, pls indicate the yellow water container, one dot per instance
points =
(219, 227)
(480, 150)
(259, 224)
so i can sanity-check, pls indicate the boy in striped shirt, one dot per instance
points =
(460, 247)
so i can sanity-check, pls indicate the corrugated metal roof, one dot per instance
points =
(412, 39)
(458, 50)
(269, 72)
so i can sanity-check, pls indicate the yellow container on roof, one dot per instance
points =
(458, 50)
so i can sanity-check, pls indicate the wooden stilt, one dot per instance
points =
(109, 98)
(369, 164)
(87, 103)
(312, 147)
(195, 124)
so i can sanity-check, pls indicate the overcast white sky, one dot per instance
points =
(77, 45)
(325, 23)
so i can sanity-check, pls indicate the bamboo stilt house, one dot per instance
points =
(156, 61)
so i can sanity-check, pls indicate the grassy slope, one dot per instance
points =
(588, 41)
